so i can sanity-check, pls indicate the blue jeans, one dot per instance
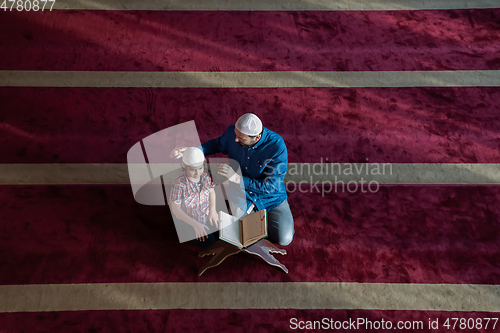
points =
(280, 224)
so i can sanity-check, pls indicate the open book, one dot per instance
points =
(245, 232)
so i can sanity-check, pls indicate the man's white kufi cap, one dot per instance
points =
(249, 124)
(193, 156)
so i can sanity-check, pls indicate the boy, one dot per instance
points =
(192, 199)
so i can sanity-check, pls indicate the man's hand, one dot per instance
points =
(201, 231)
(177, 152)
(213, 217)
(228, 172)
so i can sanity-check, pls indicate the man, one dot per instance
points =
(263, 159)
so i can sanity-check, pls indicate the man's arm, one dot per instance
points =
(274, 172)
(218, 145)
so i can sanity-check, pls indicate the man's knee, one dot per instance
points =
(285, 239)
(282, 238)
(281, 225)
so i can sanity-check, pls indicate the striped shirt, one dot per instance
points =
(194, 199)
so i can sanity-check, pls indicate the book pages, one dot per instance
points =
(230, 229)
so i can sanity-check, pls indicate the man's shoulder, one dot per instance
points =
(273, 136)
(230, 130)
(275, 142)
(228, 135)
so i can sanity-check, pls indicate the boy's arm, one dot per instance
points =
(199, 228)
(213, 217)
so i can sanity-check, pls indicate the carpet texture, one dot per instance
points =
(401, 234)
(395, 125)
(250, 41)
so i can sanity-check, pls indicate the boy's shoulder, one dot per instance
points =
(206, 175)
(180, 180)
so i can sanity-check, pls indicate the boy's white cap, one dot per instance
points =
(193, 156)
(249, 124)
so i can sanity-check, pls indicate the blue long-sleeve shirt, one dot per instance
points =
(263, 166)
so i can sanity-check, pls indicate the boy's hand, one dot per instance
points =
(201, 231)
(177, 152)
(213, 217)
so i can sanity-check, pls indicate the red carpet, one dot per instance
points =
(250, 41)
(401, 234)
(396, 125)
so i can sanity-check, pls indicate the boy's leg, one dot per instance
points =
(207, 242)
(189, 233)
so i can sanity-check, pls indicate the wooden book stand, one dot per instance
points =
(222, 250)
